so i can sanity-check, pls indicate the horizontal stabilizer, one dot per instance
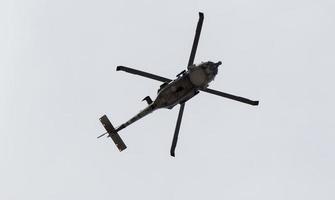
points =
(112, 133)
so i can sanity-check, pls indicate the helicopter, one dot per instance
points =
(188, 83)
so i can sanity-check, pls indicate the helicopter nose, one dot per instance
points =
(214, 67)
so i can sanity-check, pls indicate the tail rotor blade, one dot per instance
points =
(112, 133)
(102, 135)
(176, 132)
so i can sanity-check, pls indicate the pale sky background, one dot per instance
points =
(57, 77)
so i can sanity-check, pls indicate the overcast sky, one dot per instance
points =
(57, 78)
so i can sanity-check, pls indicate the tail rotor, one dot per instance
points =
(112, 133)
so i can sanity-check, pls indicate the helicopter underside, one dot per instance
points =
(176, 92)
(172, 92)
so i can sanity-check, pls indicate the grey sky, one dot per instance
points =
(57, 77)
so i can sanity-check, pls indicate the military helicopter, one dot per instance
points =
(173, 92)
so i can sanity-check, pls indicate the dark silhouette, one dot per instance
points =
(172, 92)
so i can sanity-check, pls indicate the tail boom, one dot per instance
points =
(113, 133)
(140, 115)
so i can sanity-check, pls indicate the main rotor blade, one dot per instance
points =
(230, 96)
(176, 132)
(142, 73)
(196, 39)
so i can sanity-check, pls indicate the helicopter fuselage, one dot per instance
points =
(177, 91)
(186, 85)
(180, 90)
